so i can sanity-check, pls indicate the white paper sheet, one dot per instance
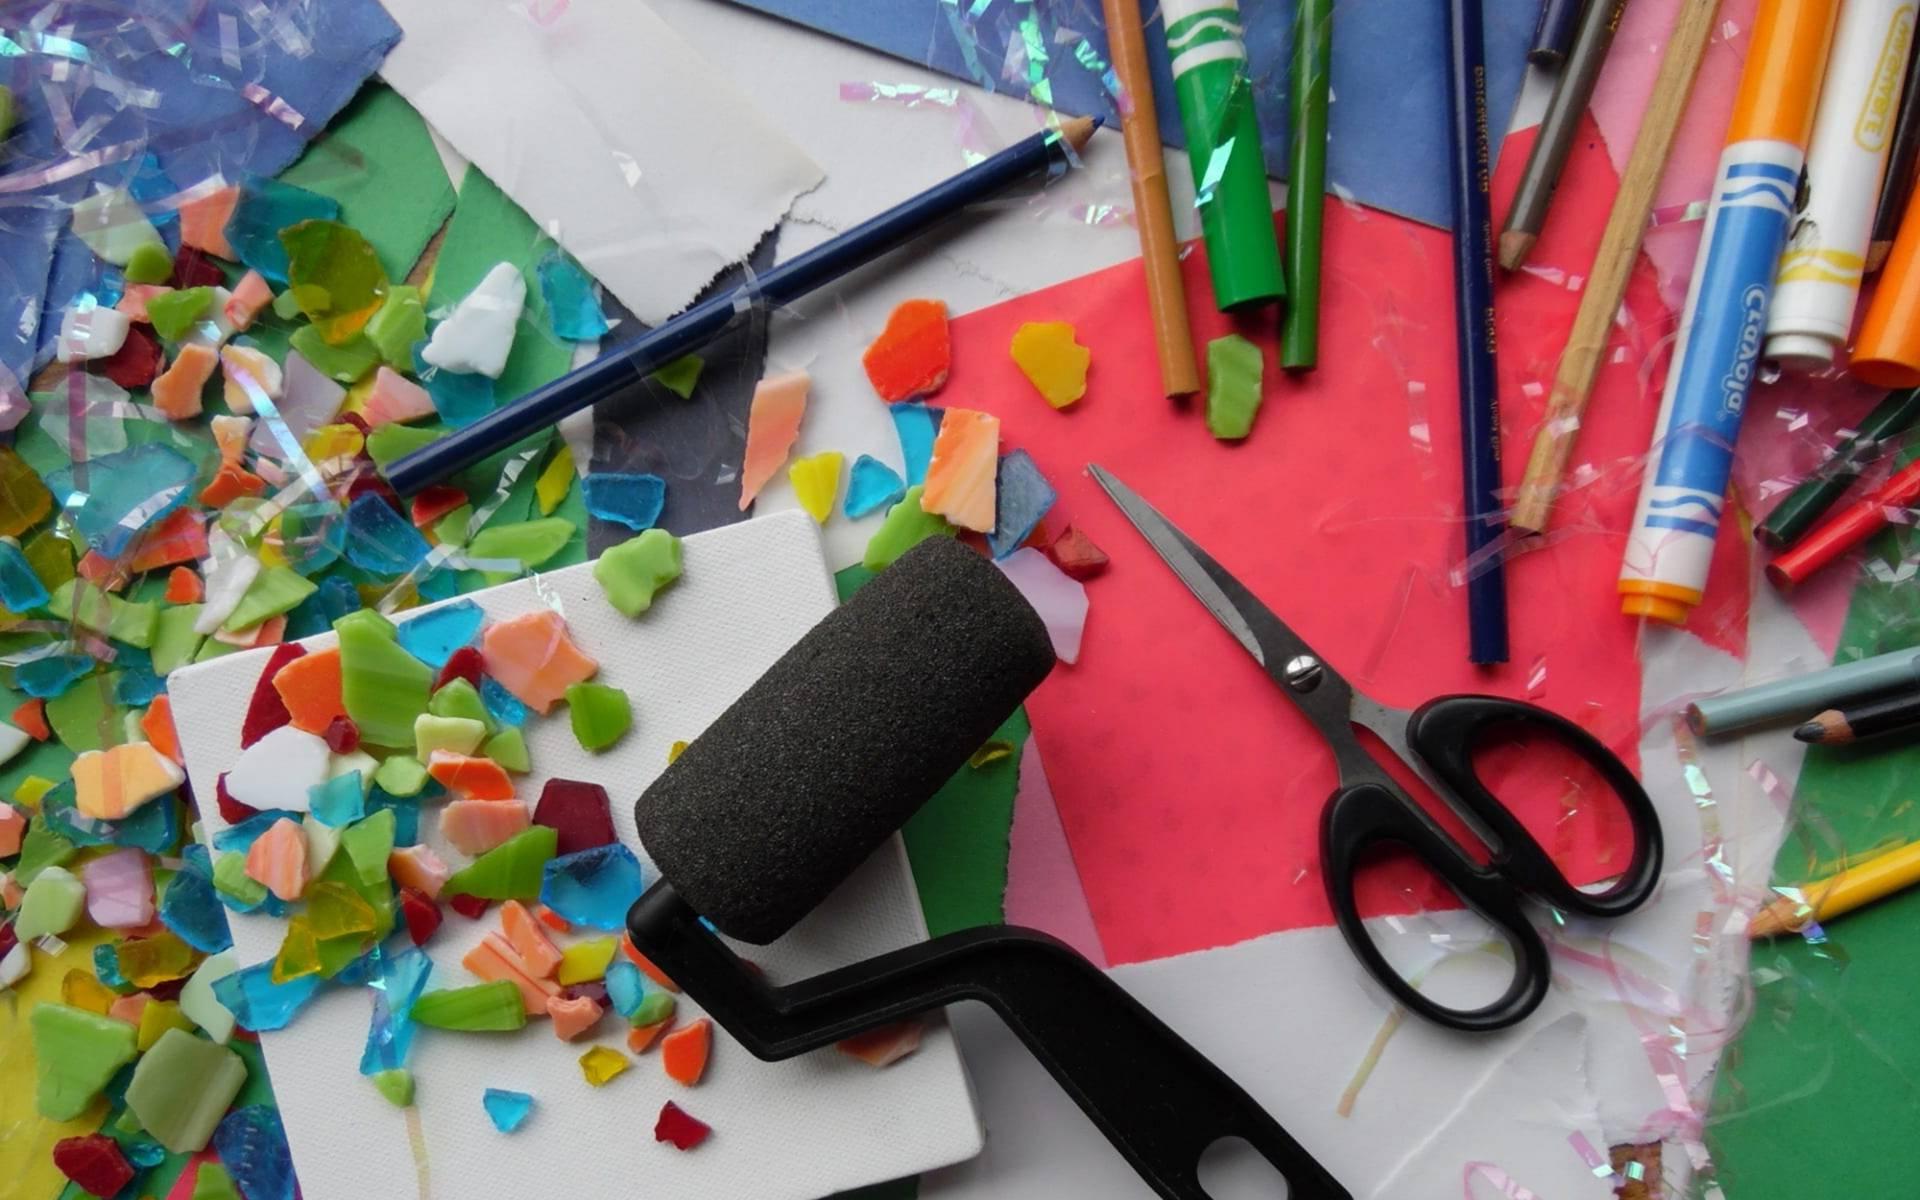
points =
(795, 1130)
(614, 135)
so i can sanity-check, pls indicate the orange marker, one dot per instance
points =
(1888, 353)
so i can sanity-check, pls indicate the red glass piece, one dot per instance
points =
(266, 712)
(470, 907)
(466, 664)
(370, 484)
(422, 914)
(1075, 553)
(435, 502)
(31, 717)
(343, 736)
(578, 811)
(231, 811)
(593, 989)
(192, 269)
(136, 363)
(676, 1126)
(168, 989)
(8, 939)
(94, 1162)
(356, 420)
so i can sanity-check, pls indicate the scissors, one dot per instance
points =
(1436, 741)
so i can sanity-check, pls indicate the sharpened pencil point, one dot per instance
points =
(1812, 731)
(1079, 131)
(1877, 255)
(1515, 245)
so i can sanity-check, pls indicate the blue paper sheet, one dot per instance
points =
(160, 95)
(1388, 145)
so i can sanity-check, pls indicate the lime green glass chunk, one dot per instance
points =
(510, 871)
(182, 1088)
(401, 775)
(79, 714)
(451, 530)
(600, 715)
(394, 441)
(214, 1183)
(132, 622)
(335, 277)
(150, 263)
(275, 590)
(509, 749)
(906, 526)
(656, 1006)
(680, 375)
(213, 648)
(230, 878)
(460, 735)
(633, 571)
(174, 640)
(382, 686)
(400, 322)
(1233, 387)
(172, 314)
(43, 847)
(396, 1085)
(348, 362)
(53, 904)
(529, 543)
(77, 1053)
(50, 555)
(458, 698)
(484, 1008)
(368, 843)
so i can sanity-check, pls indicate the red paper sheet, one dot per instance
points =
(1189, 787)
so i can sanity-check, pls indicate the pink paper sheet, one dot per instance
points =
(1189, 788)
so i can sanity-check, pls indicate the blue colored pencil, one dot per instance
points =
(1473, 331)
(1045, 152)
(1553, 34)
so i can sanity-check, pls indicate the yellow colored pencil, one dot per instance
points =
(1852, 888)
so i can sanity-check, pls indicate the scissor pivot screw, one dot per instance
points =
(1304, 673)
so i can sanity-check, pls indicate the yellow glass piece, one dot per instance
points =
(586, 961)
(271, 553)
(992, 752)
(159, 959)
(335, 910)
(357, 393)
(158, 1017)
(675, 751)
(299, 955)
(555, 482)
(79, 989)
(334, 442)
(601, 1065)
(31, 790)
(1052, 361)
(816, 482)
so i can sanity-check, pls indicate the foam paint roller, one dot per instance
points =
(822, 760)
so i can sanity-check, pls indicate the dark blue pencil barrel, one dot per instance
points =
(1553, 34)
(1473, 311)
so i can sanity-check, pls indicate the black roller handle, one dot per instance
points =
(1157, 1099)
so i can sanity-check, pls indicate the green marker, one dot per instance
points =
(1879, 433)
(1223, 148)
(1307, 180)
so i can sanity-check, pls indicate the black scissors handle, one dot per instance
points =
(1365, 816)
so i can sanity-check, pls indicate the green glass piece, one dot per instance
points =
(174, 640)
(529, 543)
(335, 910)
(394, 441)
(40, 849)
(1233, 386)
(451, 530)
(299, 954)
(286, 306)
(214, 1183)
(680, 375)
(461, 735)
(53, 904)
(368, 842)
(906, 526)
(77, 1052)
(172, 314)
(458, 698)
(182, 1088)
(132, 622)
(396, 1085)
(401, 321)
(509, 749)
(495, 1007)
(150, 263)
(382, 686)
(656, 1006)
(401, 775)
(600, 715)
(214, 648)
(81, 716)
(349, 362)
(274, 590)
(6, 111)
(335, 277)
(510, 871)
(633, 571)
(230, 878)
(49, 554)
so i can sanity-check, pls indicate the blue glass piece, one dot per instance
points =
(110, 499)
(106, 967)
(871, 486)
(362, 971)
(406, 811)
(191, 907)
(155, 828)
(264, 208)
(502, 705)
(625, 990)
(20, 589)
(313, 536)
(1022, 496)
(46, 678)
(572, 309)
(432, 637)
(506, 1109)
(631, 500)
(241, 837)
(59, 812)
(380, 540)
(916, 424)
(136, 683)
(143, 1154)
(317, 613)
(252, 1143)
(398, 982)
(593, 887)
(260, 1004)
(459, 398)
(438, 584)
(338, 802)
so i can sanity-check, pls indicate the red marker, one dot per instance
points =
(1854, 524)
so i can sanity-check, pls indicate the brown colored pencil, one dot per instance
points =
(1612, 266)
(1153, 212)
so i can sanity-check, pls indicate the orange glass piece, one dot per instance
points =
(203, 222)
(229, 483)
(250, 296)
(184, 586)
(278, 859)
(913, 354)
(683, 1053)
(572, 1018)
(177, 391)
(111, 784)
(102, 572)
(470, 777)
(310, 688)
(419, 868)
(533, 657)
(493, 959)
(886, 1045)
(157, 724)
(773, 425)
(528, 940)
(960, 477)
(652, 972)
(644, 1036)
(179, 537)
(32, 718)
(477, 826)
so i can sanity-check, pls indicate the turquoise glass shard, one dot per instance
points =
(190, 906)
(624, 988)
(253, 1144)
(137, 685)
(20, 589)
(112, 498)
(379, 540)
(396, 982)
(263, 209)
(594, 887)
(506, 1109)
(916, 424)
(631, 500)
(572, 309)
(258, 1003)
(432, 637)
(1022, 497)
(155, 828)
(871, 486)
(503, 706)
(45, 678)
(460, 399)
(338, 802)
(106, 967)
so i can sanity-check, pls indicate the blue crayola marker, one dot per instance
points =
(1724, 325)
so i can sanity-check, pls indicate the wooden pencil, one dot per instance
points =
(1839, 726)
(1153, 212)
(1897, 184)
(1612, 266)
